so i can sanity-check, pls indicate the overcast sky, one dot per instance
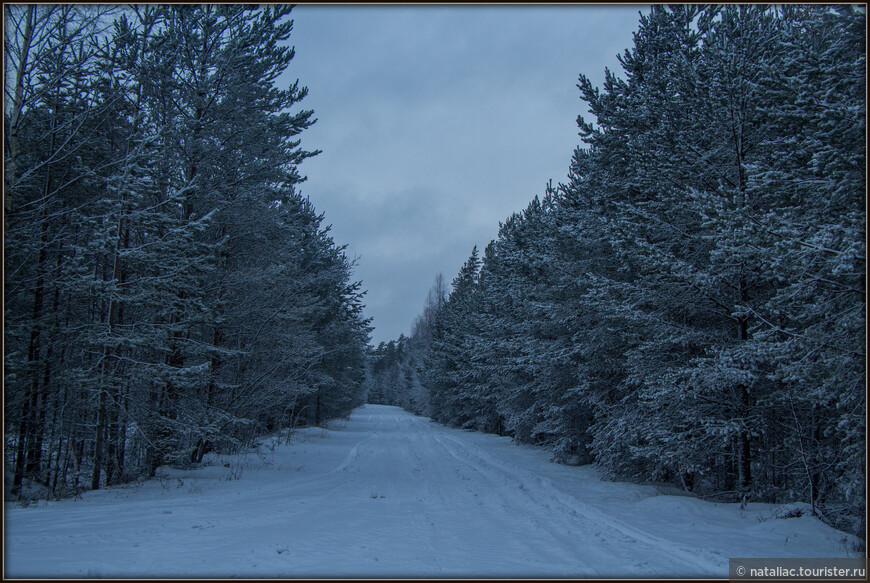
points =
(438, 122)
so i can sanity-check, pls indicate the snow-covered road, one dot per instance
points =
(390, 494)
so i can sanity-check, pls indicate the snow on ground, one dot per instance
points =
(388, 494)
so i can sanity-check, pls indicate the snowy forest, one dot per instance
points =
(168, 289)
(689, 307)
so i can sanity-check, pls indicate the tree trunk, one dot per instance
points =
(18, 476)
(745, 462)
(99, 441)
(24, 463)
(317, 409)
(745, 451)
(111, 318)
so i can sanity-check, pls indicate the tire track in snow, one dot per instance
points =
(500, 529)
(462, 520)
(352, 455)
(542, 493)
(588, 553)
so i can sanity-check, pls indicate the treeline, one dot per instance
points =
(690, 306)
(167, 287)
(393, 369)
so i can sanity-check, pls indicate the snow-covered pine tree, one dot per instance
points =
(530, 368)
(674, 142)
(55, 170)
(446, 369)
(145, 315)
(811, 332)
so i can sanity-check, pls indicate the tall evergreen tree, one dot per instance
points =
(167, 286)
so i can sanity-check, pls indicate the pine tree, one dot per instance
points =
(147, 321)
(812, 330)
(446, 367)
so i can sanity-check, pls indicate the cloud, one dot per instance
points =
(438, 122)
